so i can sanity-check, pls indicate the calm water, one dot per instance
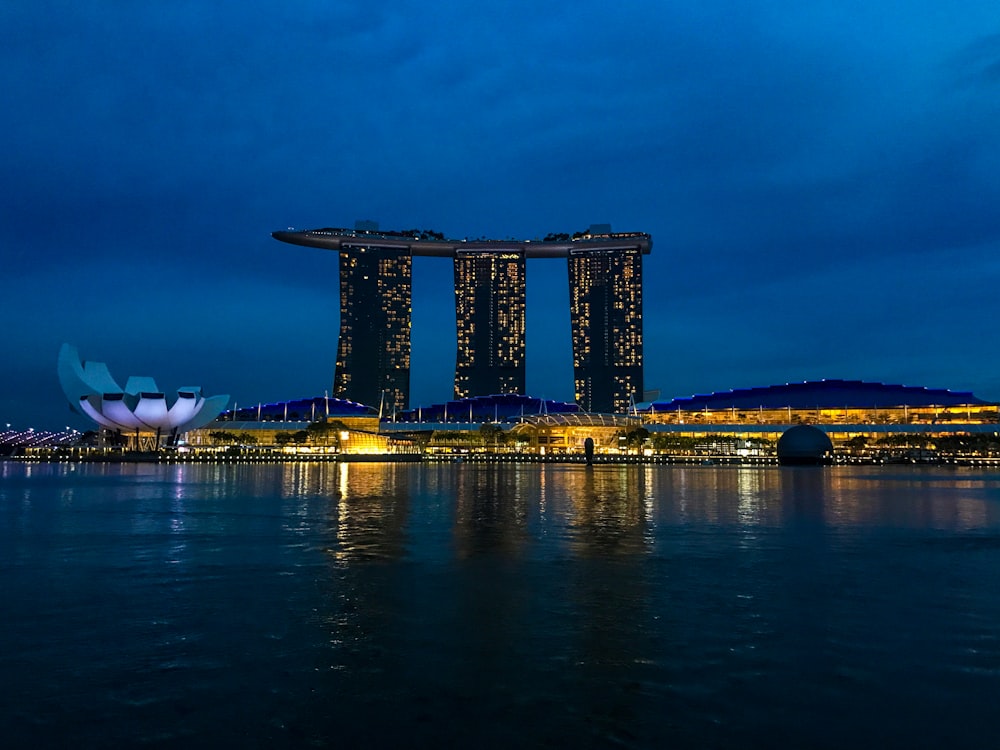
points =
(407, 605)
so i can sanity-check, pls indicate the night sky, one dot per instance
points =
(821, 181)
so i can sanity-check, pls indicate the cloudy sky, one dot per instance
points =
(821, 181)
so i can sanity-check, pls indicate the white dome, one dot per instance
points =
(139, 406)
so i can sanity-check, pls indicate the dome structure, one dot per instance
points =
(804, 445)
(819, 394)
(138, 407)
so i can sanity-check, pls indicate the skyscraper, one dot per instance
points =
(489, 317)
(605, 298)
(373, 352)
(373, 355)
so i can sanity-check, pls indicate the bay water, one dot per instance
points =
(459, 605)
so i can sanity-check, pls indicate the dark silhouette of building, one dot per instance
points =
(489, 317)
(605, 300)
(373, 351)
(373, 356)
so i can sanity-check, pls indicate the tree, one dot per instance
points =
(674, 444)
(636, 437)
(858, 442)
(492, 434)
(633, 437)
(327, 433)
(319, 431)
(222, 437)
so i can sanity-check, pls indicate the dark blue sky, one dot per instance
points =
(821, 180)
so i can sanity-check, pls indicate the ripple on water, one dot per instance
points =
(498, 606)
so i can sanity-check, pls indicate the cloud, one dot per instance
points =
(777, 151)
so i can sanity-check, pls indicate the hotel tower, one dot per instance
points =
(373, 351)
(489, 318)
(605, 308)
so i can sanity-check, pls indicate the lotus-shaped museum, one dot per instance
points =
(138, 407)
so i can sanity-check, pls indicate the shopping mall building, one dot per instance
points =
(852, 413)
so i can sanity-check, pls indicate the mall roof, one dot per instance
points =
(301, 409)
(820, 394)
(497, 407)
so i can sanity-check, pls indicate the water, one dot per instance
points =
(387, 605)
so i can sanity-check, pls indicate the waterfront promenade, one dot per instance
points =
(266, 456)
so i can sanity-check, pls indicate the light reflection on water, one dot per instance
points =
(388, 604)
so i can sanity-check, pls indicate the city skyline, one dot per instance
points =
(821, 181)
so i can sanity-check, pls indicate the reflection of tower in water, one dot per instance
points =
(609, 509)
(610, 584)
(492, 509)
(373, 505)
(368, 608)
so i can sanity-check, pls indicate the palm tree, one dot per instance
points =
(491, 433)
(323, 430)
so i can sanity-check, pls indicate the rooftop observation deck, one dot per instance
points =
(436, 246)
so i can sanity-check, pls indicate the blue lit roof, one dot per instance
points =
(302, 409)
(820, 394)
(485, 409)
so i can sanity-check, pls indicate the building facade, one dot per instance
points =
(490, 323)
(373, 350)
(605, 298)
(828, 402)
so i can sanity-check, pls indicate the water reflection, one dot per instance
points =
(803, 494)
(466, 605)
(738, 495)
(373, 505)
(607, 524)
(608, 512)
(901, 497)
(492, 507)
(303, 480)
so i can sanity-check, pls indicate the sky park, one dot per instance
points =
(490, 418)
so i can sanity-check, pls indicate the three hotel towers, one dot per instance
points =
(373, 350)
